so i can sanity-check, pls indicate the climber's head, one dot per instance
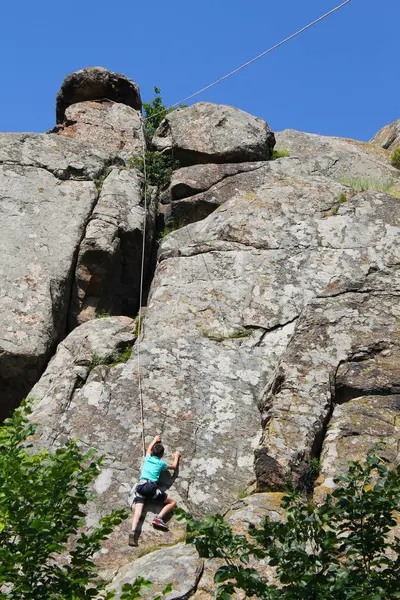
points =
(158, 450)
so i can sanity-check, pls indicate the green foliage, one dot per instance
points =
(313, 470)
(241, 332)
(138, 326)
(335, 210)
(102, 315)
(155, 112)
(159, 167)
(120, 356)
(131, 591)
(339, 550)
(395, 158)
(362, 185)
(42, 496)
(342, 198)
(169, 228)
(280, 153)
(101, 179)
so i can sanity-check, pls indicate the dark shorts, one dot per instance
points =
(149, 490)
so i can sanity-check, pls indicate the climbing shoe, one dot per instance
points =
(133, 538)
(159, 524)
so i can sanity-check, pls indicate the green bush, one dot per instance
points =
(159, 167)
(396, 158)
(41, 500)
(155, 112)
(44, 555)
(340, 550)
(280, 153)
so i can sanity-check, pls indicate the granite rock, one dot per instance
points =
(96, 83)
(104, 124)
(214, 133)
(388, 137)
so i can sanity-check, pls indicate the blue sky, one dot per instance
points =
(340, 78)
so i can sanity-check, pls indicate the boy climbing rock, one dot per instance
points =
(147, 488)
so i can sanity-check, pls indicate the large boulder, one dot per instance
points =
(299, 399)
(356, 427)
(96, 83)
(104, 124)
(47, 193)
(108, 269)
(66, 251)
(207, 133)
(179, 565)
(198, 190)
(388, 137)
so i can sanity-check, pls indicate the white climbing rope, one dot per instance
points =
(249, 62)
(140, 318)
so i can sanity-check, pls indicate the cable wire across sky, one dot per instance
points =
(251, 61)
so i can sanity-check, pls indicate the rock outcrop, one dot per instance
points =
(54, 222)
(359, 425)
(96, 83)
(104, 124)
(47, 192)
(388, 137)
(214, 133)
(107, 274)
(197, 191)
(270, 334)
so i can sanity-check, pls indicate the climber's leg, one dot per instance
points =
(137, 513)
(169, 504)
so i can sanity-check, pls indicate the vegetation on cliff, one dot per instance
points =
(340, 550)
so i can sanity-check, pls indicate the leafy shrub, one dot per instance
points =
(42, 497)
(340, 550)
(154, 113)
(159, 167)
(396, 158)
(280, 153)
(41, 500)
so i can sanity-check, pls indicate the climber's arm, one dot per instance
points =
(155, 441)
(175, 464)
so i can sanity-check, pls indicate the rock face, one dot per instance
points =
(196, 191)
(47, 193)
(107, 274)
(356, 427)
(64, 249)
(247, 312)
(96, 83)
(104, 124)
(271, 328)
(206, 133)
(179, 564)
(388, 137)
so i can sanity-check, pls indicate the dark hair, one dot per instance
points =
(158, 450)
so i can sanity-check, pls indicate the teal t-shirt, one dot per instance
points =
(152, 468)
